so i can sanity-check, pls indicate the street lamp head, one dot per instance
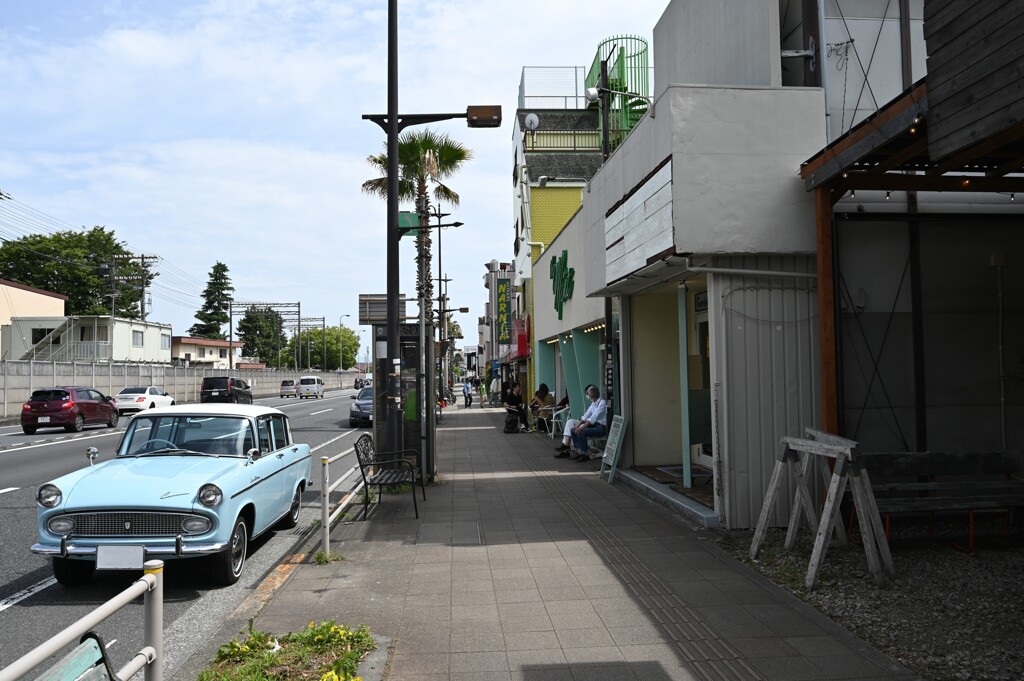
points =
(457, 224)
(591, 94)
(484, 116)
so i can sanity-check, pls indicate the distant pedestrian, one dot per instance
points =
(467, 394)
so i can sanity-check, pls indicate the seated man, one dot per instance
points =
(514, 403)
(591, 424)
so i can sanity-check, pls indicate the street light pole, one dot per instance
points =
(476, 117)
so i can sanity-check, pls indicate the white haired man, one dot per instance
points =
(591, 424)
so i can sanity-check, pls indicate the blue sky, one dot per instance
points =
(231, 130)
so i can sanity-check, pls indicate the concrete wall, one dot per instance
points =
(18, 379)
(710, 42)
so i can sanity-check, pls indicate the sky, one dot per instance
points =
(232, 131)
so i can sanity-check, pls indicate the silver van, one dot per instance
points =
(311, 386)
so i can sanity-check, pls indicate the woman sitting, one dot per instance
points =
(542, 405)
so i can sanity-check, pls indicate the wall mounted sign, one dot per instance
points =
(504, 316)
(700, 301)
(561, 281)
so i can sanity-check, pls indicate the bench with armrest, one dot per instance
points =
(86, 662)
(930, 482)
(386, 469)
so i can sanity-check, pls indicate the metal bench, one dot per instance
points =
(930, 482)
(87, 662)
(386, 469)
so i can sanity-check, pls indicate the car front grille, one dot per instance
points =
(129, 524)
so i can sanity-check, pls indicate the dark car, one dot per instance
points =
(225, 389)
(71, 408)
(362, 409)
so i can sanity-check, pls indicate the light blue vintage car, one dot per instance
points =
(190, 480)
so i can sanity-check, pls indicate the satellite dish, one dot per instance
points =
(532, 121)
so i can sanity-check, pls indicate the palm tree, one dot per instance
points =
(425, 158)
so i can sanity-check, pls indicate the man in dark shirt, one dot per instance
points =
(514, 403)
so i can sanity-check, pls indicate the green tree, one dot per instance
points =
(261, 331)
(216, 296)
(88, 267)
(425, 160)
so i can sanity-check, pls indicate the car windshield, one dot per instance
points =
(220, 383)
(49, 396)
(287, 383)
(308, 381)
(365, 394)
(217, 435)
(132, 391)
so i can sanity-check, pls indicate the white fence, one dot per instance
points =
(18, 378)
(150, 657)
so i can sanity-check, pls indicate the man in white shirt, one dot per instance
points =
(591, 424)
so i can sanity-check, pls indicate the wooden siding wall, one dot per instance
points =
(975, 69)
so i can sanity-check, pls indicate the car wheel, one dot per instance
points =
(292, 519)
(353, 424)
(228, 564)
(112, 423)
(70, 572)
(28, 430)
(172, 403)
(77, 426)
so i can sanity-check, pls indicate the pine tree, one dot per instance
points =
(214, 314)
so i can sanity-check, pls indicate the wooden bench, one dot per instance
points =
(386, 469)
(87, 662)
(930, 482)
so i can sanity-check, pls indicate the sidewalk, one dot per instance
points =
(523, 566)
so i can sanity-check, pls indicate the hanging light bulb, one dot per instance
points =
(853, 193)
(1012, 197)
(888, 196)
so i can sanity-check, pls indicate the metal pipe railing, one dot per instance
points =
(327, 517)
(151, 656)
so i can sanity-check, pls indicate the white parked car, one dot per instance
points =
(139, 398)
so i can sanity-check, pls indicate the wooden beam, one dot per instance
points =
(826, 311)
(869, 135)
(900, 157)
(984, 148)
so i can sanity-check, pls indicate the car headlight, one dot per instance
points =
(48, 496)
(210, 496)
(62, 524)
(196, 524)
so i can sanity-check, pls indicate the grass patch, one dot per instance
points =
(324, 652)
(397, 489)
(323, 558)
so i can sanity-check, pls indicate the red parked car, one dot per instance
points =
(70, 408)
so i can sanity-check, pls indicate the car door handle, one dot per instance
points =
(280, 455)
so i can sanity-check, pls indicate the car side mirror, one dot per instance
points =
(92, 454)
(355, 396)
(253, 453)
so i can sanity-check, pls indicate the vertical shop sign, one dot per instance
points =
(504, 314)
(561, 280)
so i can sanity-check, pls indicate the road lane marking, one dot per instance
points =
(8, 489)
(25, 593)
(333, 440)
(322, 411)
(72, 438)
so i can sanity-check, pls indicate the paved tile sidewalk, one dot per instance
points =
(523, 566)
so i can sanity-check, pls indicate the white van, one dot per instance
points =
(311, 386)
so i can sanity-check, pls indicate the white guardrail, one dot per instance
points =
(151, 656)
(326, 516)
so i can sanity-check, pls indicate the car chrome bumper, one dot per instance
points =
(70, 549)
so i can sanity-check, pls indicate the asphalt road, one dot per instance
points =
(33, 607)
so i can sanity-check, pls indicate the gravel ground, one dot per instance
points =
(948, 616)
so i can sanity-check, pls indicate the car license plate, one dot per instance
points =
(370, 417)
(120, 557)
(215, 392)
(44, 419)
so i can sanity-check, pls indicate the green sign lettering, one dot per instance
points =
(561, 280)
